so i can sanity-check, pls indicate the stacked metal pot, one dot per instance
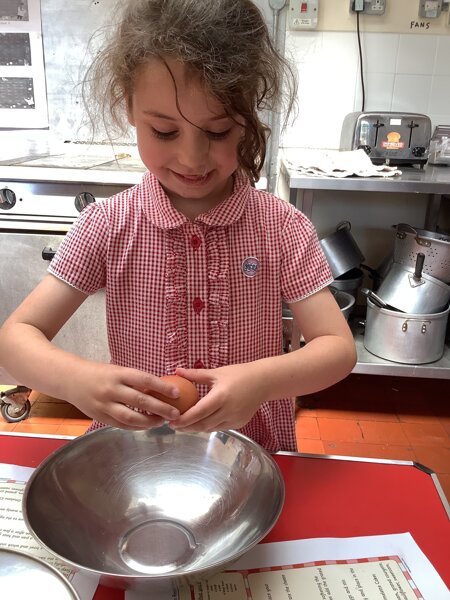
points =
(407, 316)
(344, 257)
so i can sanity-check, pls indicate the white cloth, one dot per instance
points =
(336, 163)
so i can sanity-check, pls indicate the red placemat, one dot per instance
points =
(325, 497)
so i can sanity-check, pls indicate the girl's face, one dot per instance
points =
(193, 154)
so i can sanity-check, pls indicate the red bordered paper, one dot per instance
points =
(376, 578)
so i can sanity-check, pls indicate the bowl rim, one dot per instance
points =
(174, 575)
(47, 568)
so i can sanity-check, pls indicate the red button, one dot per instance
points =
(198, 305)
(199, 365)
(304, 7)
(196, 241)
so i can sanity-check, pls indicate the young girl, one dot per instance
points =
(195, 261)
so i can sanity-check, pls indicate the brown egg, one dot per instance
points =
(188, 393)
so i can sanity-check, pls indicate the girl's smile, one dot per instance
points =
(184, 136)
(193, 179)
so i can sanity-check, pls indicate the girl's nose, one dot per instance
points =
(193, 150)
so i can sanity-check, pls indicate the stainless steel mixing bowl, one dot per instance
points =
(150, 508)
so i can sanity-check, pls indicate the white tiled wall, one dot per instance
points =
(402, 72)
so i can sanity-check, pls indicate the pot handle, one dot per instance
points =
(374, 298)
(344, 225)
(419, 265)
(403, 229)
(423, 329)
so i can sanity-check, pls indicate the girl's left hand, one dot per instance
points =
(236, 392)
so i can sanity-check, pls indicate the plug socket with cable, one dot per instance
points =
(357, 5)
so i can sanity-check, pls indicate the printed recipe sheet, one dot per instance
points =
(15, 536)
(384, 578)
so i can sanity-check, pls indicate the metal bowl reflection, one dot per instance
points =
(147, 508)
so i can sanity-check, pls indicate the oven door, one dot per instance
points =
(22, 266)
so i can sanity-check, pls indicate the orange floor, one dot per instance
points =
(370, 416)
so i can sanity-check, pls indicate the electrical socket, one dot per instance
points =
(368, 7)
(375, 7)
(430, 9)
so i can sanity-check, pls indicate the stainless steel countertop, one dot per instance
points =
(22, 173)
(120, 176)
(432, 179)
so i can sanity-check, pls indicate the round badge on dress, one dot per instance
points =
(250, 266)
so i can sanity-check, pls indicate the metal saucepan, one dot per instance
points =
(412, 291)
(350, 282)
(341, 250)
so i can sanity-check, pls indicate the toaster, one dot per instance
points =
(388, 137)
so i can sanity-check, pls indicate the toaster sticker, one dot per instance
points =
(393, 141)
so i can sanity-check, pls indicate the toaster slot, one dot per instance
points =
(377, 126)
(411, 126)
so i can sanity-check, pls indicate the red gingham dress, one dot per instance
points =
(199, 294)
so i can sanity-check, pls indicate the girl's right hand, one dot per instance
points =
(120, 396)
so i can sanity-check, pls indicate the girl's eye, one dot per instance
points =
(163, 135)
(218, 135)
(169, 135)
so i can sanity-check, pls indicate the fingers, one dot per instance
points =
(126, 418)
(135, 390)
(202, 376)
(148, 383)
(199, 420)
(146, 403)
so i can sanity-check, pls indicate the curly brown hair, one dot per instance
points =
(226, 43)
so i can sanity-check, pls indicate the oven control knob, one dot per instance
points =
(7, 199)
(82, 200)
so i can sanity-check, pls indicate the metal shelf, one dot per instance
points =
(433, 181)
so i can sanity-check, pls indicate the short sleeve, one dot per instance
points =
(80, 259)
(305, 269)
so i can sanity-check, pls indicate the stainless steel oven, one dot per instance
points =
(37, 208)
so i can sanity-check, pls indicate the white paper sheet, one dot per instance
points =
(403, 573)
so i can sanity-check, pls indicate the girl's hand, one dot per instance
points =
(236, 393)
(109, 393)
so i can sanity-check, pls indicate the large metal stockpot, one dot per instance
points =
(405, 338)
(410, 290)
(409, 241)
